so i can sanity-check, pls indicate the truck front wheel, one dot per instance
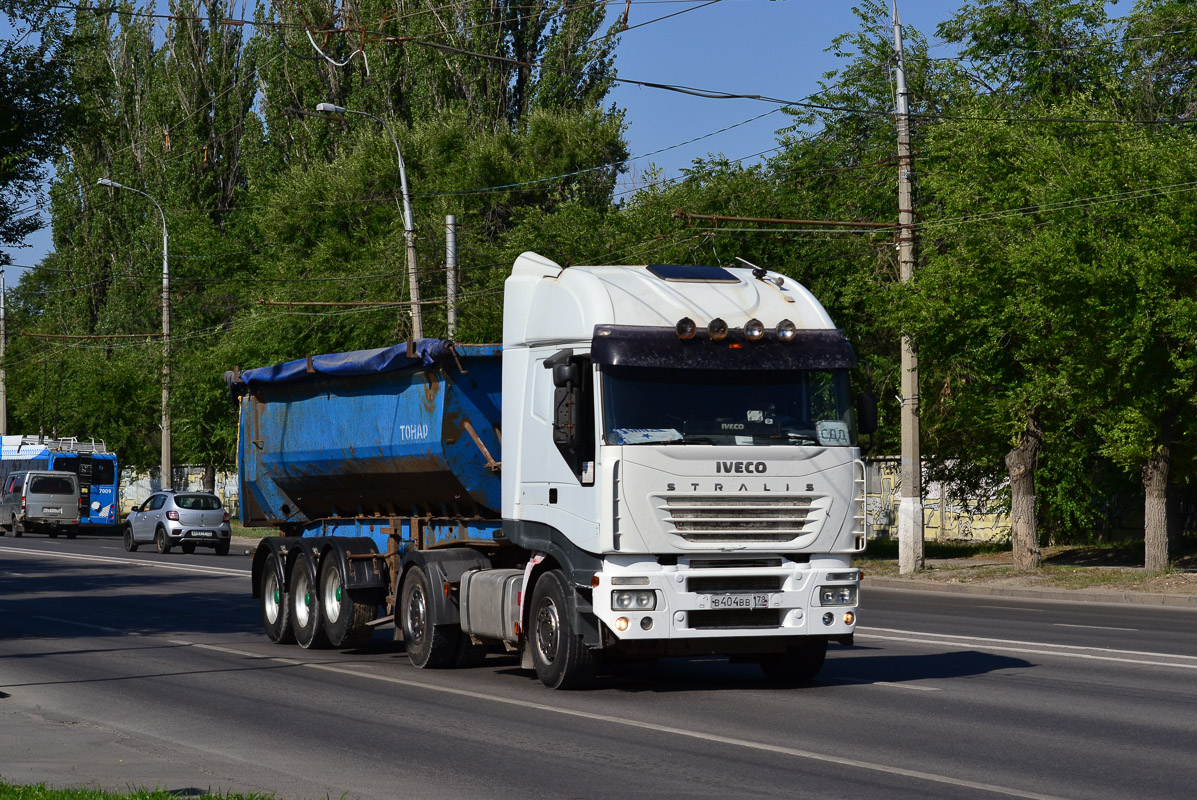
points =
(799, 665)
(428, 644)
(562, 660)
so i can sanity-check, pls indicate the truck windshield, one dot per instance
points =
(673, 406)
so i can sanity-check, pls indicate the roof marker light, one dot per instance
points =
(686, 328)
(786, 331)
(717, 330)
(754, 330)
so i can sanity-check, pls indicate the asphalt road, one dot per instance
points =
(123, 670)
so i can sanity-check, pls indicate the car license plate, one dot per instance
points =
(51, 510)
(203, 534)
(748, 601)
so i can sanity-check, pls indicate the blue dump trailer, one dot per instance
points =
(658, 461)
(395, 438)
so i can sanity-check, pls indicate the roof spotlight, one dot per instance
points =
(786, 331)
(754, 330)
(717, 330)
(686, 328)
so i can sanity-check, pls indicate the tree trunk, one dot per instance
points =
(209, 477)
(1020, 462)
(1155, 510)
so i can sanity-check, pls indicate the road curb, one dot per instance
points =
(1067, 595)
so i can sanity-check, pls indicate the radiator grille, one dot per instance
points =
(742, 518)
(726, 563)
(757, 618)
(735, 583)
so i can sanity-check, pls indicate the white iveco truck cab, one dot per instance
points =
(681, 443)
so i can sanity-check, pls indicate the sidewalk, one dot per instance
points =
(1115, 596)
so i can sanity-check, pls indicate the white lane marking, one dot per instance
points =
(135, 562)
(648, 726)
(1092, 627)
(1037, 648)
(890, 684)
(1014, 608)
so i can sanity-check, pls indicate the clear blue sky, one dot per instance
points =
(768, 47)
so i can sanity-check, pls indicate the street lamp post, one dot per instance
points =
(417, 317)
(167, 482)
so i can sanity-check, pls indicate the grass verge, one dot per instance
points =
(43, 792)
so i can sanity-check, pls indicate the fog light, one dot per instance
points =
(621, 624)
(686, 328)
(754, 330)
(646, 624)
(828, 618)
(849, 618)
(786, 331)
(717, 330)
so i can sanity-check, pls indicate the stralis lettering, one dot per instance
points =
(741, 467)
(778, 486)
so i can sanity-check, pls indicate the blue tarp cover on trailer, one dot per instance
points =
(356, 362)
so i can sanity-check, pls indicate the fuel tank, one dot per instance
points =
(404, 431)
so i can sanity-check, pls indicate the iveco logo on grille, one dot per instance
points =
(732, 426)
(741, 467)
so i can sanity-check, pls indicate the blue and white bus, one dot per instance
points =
(99, 474)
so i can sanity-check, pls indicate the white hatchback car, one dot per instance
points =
(186, 519)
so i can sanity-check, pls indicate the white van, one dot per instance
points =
(40, 501)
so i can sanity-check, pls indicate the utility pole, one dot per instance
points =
(451, 273)
(409, 234)
(167, 480)
(3, 372)
(910, 508)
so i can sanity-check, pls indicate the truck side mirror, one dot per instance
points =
(866, 412)
(573, 417)
(566, 375)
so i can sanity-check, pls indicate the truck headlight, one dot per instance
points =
(635, 601)
(837, 595)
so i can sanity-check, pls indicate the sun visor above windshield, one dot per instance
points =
(636, 346)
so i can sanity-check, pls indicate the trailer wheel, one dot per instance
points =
(276, 611)
(427, 643)
(304, 603)
(345, 621)
(561, 658)
(799, 665)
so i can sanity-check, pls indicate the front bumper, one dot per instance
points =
(711, 598)
(207, 537)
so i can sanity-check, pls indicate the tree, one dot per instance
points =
(36, 106)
